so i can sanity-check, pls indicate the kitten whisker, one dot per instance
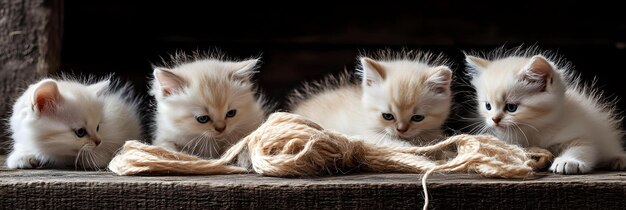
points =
(520, 129)
(214, 149)
(109, 148)
(529, 125)
(99, 155)
(88, 160)
(198, 142)
(207, 143)
(471, 125)
(421, 140)
(78, 156)
(82, 161)
(382, 135)
(510, 134)
(94, 165)
(85, 160)
(513, 139)
(481, 128)
(186, 146)
(486, 129)
(85, 157)
(195, 141)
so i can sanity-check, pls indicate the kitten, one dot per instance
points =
(403, 98)
(532, 100)
(64, 123)
(205, 104)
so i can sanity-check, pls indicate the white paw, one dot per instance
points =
(566, 165)
(15, 161)
(619, 163)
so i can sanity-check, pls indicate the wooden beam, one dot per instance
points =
(30, 43)
(36, 189)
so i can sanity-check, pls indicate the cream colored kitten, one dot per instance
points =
(531, 100)
(403, 99)
(63, 123)
(205, 104)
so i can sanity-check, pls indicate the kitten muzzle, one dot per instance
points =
(401, 128)
(496, 120)
(96, 141)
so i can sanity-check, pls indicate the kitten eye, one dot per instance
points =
(98, 128)
(203, 119)
(231, 113)
(417, 118)
(488, 106)
(387, 116)
(81, 132)
(511, 107)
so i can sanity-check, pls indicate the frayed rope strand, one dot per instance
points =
(289, 145)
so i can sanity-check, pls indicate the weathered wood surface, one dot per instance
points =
(29, 189)
(30, 39)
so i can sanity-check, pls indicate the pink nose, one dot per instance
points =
(496, 120)
(220, 129)
(402, 130)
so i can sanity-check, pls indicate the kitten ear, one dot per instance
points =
(46, 96)
(440, 79)
(245, 70)
(476, 64)
(100, 87)
(168, 82)
(373, 72)
(538, 72)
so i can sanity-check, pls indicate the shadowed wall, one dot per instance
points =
(299, 43)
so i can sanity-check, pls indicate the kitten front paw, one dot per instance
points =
(618, 163)
(15, 161)
(564, 165)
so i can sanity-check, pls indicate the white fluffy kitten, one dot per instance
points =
(531, 100)
(64, 123)
(205, 104)
(403, 98)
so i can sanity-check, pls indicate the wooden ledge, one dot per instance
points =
(30, 189)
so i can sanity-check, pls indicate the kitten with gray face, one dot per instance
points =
(61, 123)
(532, 100)
(403, 98)
(205, 104)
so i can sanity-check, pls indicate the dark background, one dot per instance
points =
(306, 42)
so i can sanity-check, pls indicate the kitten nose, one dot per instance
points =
(97, 141)
(402, 128)
(220, 129)
(496, 120)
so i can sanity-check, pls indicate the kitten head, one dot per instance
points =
(517, 92)
(68, 115)
(208, 98)
(406, 96)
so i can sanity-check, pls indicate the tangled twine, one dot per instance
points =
(290, 145)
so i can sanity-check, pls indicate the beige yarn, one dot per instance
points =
(290, 145)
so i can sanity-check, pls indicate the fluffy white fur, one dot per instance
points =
(210, 86)
(46, 116)
(402, 84)
(554, 110)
